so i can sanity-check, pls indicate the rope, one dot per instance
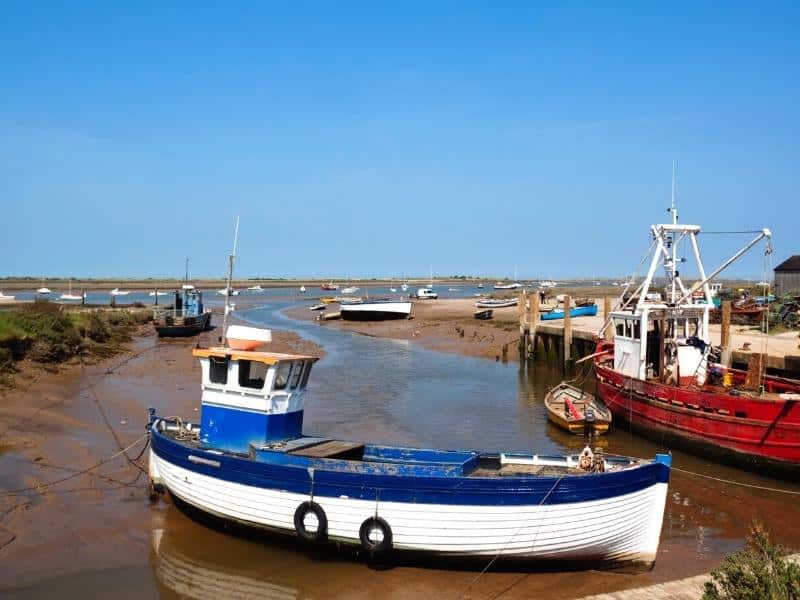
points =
(102, 412)
(747, 485)
(511, 539)
(110, 371)
(728, 232)
(40, 487)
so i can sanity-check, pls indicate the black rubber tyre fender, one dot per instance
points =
(321, 534)
(386, 542)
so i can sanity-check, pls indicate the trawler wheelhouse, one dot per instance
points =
(251, 398)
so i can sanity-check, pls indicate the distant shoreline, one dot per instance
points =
(32, 283)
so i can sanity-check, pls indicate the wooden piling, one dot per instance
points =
(533, 320)
(523, 330)
(725, 334)
(567, 331)
(608, 334)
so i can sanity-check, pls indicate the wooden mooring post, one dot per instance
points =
(608, 333)
(567, 332)
(523, 326)
(725, 333)
(533, 321)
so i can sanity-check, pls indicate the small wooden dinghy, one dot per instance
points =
(574, 409)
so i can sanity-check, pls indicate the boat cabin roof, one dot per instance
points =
(269, 358)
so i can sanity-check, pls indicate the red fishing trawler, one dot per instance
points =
(661, 375)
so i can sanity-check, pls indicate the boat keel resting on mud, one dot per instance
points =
(248, 462)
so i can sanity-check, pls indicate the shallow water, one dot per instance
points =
(391, 391)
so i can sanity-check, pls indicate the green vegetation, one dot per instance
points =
(46, 333)
(759, 570)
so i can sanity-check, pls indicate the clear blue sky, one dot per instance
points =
(379, 138)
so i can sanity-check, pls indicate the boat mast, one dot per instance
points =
(674, 240)
(229, 288)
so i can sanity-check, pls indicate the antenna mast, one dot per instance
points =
(229, 287)
(674, 212)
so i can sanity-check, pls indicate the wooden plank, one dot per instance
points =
(327, 449)
(755, 372)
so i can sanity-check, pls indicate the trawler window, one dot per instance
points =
(620, 327)
(297, 371)
(627, 329)
(252, 374)
(637, 330)
(282, 376)
(306, 373)
(218, 370)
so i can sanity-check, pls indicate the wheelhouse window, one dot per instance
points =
(218, 370)
(252, 374)
(306, 373)
(620, 327)
(282, 376)
(297, 372)
(637, 330)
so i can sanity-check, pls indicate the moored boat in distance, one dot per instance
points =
(6, 298)
(119, 292)
(329, 286)
(249, 462)
(661, 374)
(507, 286)
(186, 317)
(576, 410)
(350, 290)
(375, 310)
(44, 291)
(496, 303)
(577, 311)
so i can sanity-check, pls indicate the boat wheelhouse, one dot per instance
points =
(248, 461)
(661, 375)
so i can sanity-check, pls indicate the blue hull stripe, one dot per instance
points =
(483, 491)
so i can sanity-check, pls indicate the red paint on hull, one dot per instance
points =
(749, 431)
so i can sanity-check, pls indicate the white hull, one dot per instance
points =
(366, 309)
(622, 529)
(70, 297)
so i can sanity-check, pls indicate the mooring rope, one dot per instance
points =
(511, 539)
(740, 483)
(109, 371)
(42, 486)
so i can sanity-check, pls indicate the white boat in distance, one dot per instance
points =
(507, 286)
(547, 284)
(255, 288)
(43, 291)
(157, 293)
(496, 303)
(119, 292)
(350, 290)
(302, 289)
(228, 292)
(4, 298)
(375, 310)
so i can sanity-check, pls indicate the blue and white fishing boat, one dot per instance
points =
(248, 462)
(578, 311)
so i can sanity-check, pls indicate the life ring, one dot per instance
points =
(320, 534)
(375, 535)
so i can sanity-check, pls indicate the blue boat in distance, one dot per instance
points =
(578, 311)
(249, 462)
